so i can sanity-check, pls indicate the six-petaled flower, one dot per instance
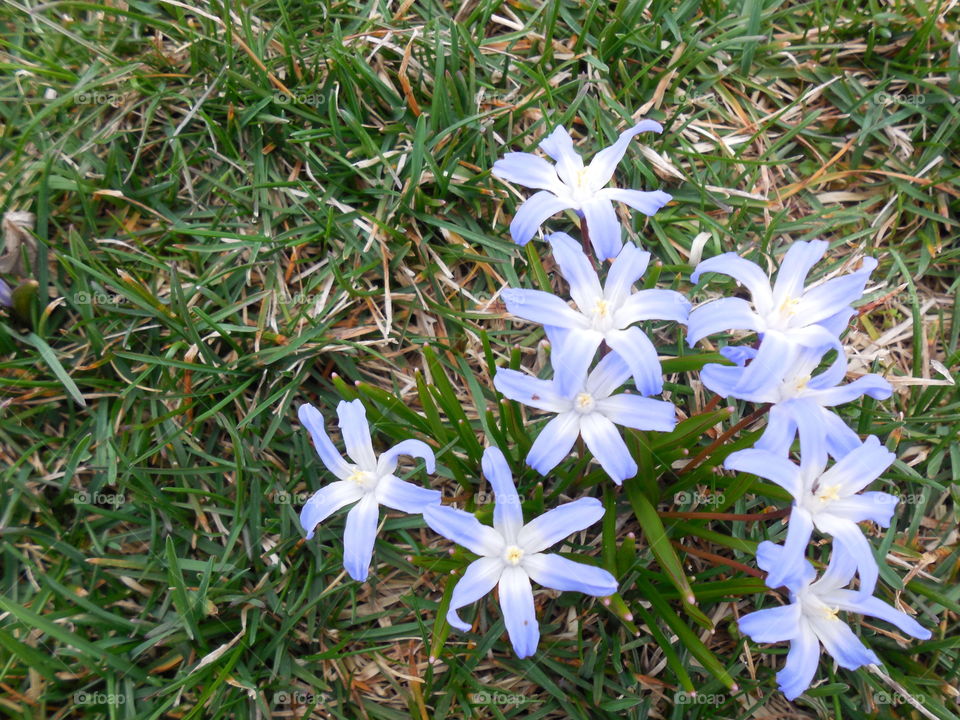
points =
(591, 411)
(367, 481)
(512, 554)
(812, 619)
(603, 314)
(569, 185)
(787, 316)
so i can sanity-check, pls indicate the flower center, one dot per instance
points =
(363, 478)
(829, 494)
(584, 403)
(512, 555)
(793, 387)
(602, 315)
(785, 313)
(828, 613)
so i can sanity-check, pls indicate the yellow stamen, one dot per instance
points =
(513, 555)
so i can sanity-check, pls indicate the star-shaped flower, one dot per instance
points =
(512, 554)
(801, 392)
(602, 314)
(826, 499)
(811, 619)
(787, 317)
(592, 411)
(367, 481)
(570, 185)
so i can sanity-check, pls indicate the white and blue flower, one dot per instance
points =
(512, 554)
(592, 412)
(569, 185)
(603, 314)
(826, 499)
(787, 316)
(800, 393)
(811, 619)
(367, 481)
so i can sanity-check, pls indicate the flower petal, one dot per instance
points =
(608, 448)
(646, 202)
(356, 434)
(609, 375)
(825, 300)
(796, 264)
(404, 496)
(791, 568)
(771, 625)
(765, 373)
(652, 304)
(604, 227)
(542, 307)
(875, 506)
(359, 535)
(625, 270)
(841, 644)
(720, 315)
(411, 448)
(873, 385)
(527, 169)
(808, 417)
(840, 571)
(859, 468)
(604, 163)
(841, 440)
(559, 573)
(849, 538)
(852, 601)
(559, 146)
(571, 358)
(464, 529)
(724, 380)
(519, 614)
(745, 272)
(480, 577)
(778, 436)
(577, 270)
(532, 214)
(554, 442)
(559, 523)
(312, 420)
(770, 556)
(637, 412)
(763, 463)
(802, 661)
(529, 390)
(635, 349)
(326, 501)
(507, 513)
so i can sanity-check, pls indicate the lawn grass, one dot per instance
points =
(244, 207)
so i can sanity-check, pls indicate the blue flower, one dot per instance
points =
(800, 393)
(828, 500)
(512, 554)
(591, 412)
(810, 620)
(367, 481)
(602, 314)
(787, 317)
(570, 185)
(6, 298)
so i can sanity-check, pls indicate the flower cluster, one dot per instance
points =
(603, 371)
(799, 326)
